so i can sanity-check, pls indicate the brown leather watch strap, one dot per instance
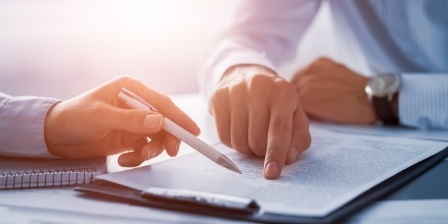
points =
(384, 111)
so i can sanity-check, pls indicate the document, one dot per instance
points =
(337, 168)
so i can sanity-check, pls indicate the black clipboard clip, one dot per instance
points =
(196, 198)
(173, 199)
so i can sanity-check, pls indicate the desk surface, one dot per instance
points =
(62, 205)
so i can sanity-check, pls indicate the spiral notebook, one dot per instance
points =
(18, 173)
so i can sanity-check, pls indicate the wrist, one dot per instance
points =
(382, 91)
(49, 126)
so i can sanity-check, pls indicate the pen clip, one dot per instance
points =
(127, 95)
(202, 199)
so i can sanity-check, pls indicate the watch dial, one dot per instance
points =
(383, 85)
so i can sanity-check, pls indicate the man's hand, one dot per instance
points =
(330, 91)
(97, 124)
(258, 112)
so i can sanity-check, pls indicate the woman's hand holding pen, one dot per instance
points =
(97, 124)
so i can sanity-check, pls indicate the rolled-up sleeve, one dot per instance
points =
(423, 101)
(22, 125)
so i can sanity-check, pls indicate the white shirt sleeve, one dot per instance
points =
(263, 32)
(22, 126)
(423, 101)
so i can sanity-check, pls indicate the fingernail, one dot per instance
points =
(152, 121)
(145, 153)
(271, 170)
(122, 161)
(293, 153)
(152, 154)
(149, 153)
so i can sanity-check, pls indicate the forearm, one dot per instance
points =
(423, 101)
(22, 126)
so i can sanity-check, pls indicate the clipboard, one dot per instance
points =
(249, 210)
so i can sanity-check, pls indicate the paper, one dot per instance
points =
(336, 169)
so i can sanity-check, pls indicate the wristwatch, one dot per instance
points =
(380, 90)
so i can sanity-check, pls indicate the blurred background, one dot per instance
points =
(63, 48)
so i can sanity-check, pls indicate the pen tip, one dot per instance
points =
(227, 163)
(235, 169)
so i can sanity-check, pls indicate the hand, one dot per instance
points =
(258, 112)
(330, 91)
(97, 124)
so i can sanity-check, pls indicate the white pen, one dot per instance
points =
(136, 102)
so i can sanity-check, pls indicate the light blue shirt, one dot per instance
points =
(22, 126)
(409, 38)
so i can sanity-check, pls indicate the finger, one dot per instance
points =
(154, 147)
(130, 120)
(118, 142)
(320, 67)
(162, 103)
(239, 121)
(279, 137)
(299, 75)
(311, 88)
(300, 138)
(258, 127)
(130, 159)
(324, 61)
(311, 69)
(221, 111)
(314, 79)
(133, 158)
(172, 145)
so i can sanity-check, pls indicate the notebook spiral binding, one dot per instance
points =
(48, 178)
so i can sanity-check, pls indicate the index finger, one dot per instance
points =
(279, 137)
(163, 104)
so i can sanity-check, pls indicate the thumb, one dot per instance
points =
(130, 120)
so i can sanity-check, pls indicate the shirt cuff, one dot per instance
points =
(22, 122)
(423, 101)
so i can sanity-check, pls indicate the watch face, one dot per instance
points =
(383, 85)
